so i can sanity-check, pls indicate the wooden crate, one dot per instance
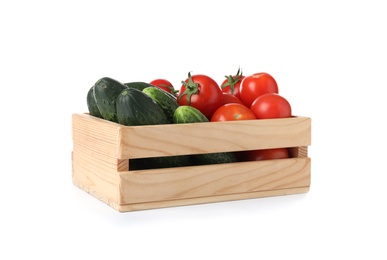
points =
(102, 150)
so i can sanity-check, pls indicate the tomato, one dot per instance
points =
(164, 85)
(232, 112)
(271, 105)
(201, 92)
(228, 98)
(266, 154)
(232, 84)
(255, 85)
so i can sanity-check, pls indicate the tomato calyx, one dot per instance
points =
(171, 89)
(232, 80)
(190, 89)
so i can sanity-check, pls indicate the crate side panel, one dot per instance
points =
(180, 139)
(96, 175)
(212, 199)
(213, 180)
(96, 134)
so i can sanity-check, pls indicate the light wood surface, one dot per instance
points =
(125, 142)
(210, 199)
(102, 149)
(213, 180)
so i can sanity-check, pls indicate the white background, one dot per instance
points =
(328, 57)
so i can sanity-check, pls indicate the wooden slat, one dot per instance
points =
(125, 142)
(211, 199)
(213, 180)
(96, 134)
(95, 174)
(179, 139)
(101, 150)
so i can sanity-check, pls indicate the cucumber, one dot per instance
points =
(214, 158)
(106, 91)
(188, 114)
(92, 104)
(165, 100)
(138, 85)
(160, 162)
(134, 107)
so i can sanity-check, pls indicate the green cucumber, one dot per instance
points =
(92, 104)
(160, 162)
(134, 107)
(165, 100)
(214, 158)
(188, 114)
(106, 91)
(138, 85)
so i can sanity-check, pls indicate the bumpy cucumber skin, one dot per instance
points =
(165, 100)
(91, 104)
(106, 91)
(188, 114)
(138, 85)
(134, 107)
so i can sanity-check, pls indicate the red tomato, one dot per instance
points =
(228, 98)
(266, 154)
(271, 105)
(232, 84)
(200, 92)
(164, 85)
(232, 112)
(256, 85)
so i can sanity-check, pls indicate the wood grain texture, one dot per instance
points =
(169, 140)
(96, 174)
(126, 142)
(210, 199)
(213, 180)
(96, 134)
(298, 152)
(102, 149)
(99, 194)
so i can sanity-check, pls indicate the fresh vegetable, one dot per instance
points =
(232, 84)
(228, 98)
(271, 105)
(214, 158)
(255, 85)
(199, 100)
(164, 99)
(91, 104)
(232, 112)
(201, 92)
(164, 85)
(138, 85)
(134, 107)
(266, 154)
(106, 91)
(188, 114)
(160, 162)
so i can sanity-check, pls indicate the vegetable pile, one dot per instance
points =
(199, 99)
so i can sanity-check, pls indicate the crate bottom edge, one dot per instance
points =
(97, 195)
(190, 201)
(210, 199)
